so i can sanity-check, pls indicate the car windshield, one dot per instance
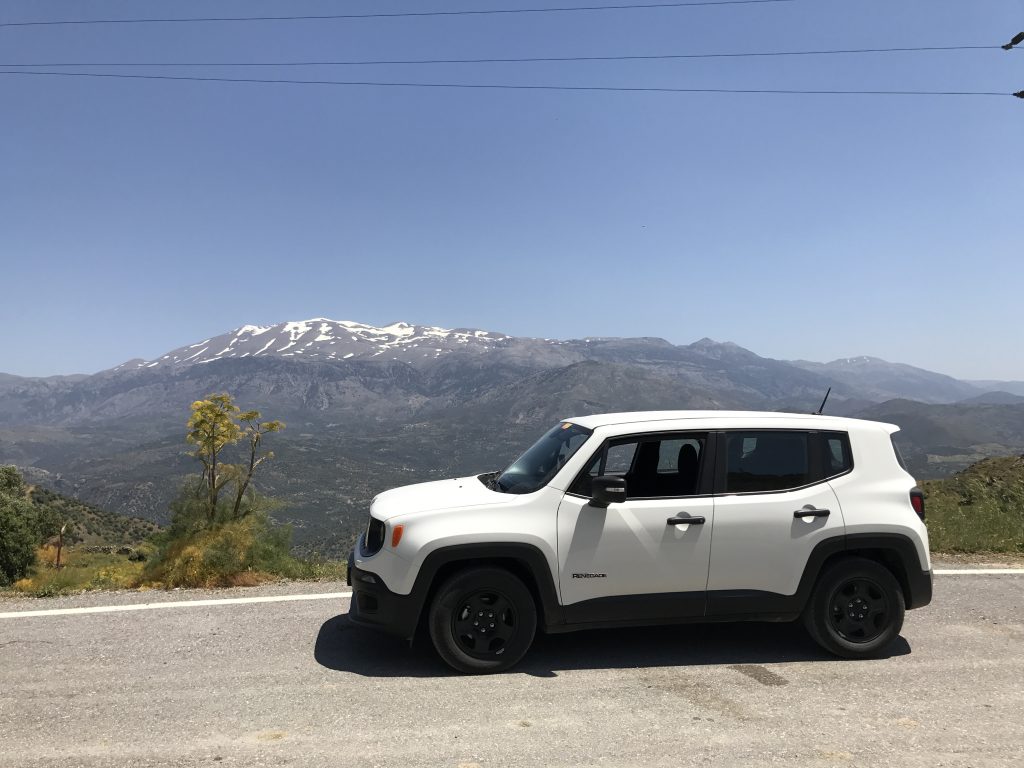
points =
(535, 468)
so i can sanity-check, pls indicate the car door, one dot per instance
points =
(772, 508)
(639, 560)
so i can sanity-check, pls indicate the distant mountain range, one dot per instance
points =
(371, 407)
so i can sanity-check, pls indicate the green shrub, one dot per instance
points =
(195, 551)
(980, 509)
(18, 539)
(23, 527)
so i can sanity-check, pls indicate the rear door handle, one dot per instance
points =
(695, 520)
(811, 512)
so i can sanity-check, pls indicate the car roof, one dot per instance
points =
(803, 420)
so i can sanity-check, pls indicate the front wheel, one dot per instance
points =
(856, 608)
(482, 620)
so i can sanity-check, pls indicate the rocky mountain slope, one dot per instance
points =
(877, 379)
(368, 408)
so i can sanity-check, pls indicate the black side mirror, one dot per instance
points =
(607, 489)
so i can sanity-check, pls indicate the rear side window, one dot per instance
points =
(836, 459)
(766, 461)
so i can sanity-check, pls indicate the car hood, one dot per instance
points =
(439, 494)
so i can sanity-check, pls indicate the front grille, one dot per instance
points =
(373, 539)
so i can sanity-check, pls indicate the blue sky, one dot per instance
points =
(136, 216)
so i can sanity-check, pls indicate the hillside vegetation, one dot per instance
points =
(980, 509)
(371, 408)
(220, 533)
(89, 525)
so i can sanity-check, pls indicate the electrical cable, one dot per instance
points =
(512, 60)
(398, 14)
(506, 86)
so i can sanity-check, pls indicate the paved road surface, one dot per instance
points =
(290, 683)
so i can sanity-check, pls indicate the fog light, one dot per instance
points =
(367, 577)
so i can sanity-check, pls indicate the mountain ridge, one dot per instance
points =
(369, 408)
(327, 340)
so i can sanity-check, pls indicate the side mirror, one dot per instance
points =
(607, 489)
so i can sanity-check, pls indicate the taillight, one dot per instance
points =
(917, 501)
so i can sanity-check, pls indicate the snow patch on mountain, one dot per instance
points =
(327, 339)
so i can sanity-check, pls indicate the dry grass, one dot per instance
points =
(79, 572)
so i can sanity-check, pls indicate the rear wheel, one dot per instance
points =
(482, 620)
(856, 608)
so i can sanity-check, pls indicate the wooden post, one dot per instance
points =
(60, 544)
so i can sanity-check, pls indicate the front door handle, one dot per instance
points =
(811, 512)
(695, 520)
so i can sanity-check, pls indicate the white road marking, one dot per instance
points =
(174, 604)
(339, 595)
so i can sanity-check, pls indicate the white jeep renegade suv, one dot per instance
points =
(654, 518)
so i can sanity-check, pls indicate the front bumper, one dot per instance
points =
(375, 606)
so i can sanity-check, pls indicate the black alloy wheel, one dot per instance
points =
(859, 610)
(484, 623)
(482, 620)
(855, 609)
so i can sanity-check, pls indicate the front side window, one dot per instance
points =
(619, 458)
(535, 468)
(654, 466)
(766, 461)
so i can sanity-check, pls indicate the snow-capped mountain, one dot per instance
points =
(471, 358)
(323, 339)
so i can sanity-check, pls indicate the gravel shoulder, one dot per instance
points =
(977, 560)
(14, 601)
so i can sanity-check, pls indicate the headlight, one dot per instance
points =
(373, 538)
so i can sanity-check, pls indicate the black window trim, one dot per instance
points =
(709, 459)
(815, 452)
(900, 458)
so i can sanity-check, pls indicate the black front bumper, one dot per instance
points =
(375, 606)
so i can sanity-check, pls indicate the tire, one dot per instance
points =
(497, 636)
(856, 608)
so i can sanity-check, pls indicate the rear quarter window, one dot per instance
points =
(899, 456)
(836, 459)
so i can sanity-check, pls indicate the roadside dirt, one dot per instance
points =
(990, 559)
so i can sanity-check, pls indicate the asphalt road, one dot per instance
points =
(290, 683)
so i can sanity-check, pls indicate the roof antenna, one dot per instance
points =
(822, 406)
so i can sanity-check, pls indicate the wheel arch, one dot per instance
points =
(524, 561)
(896, 552)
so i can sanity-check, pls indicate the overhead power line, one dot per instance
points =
(398, 14)
(510, 60)
(513, 87)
